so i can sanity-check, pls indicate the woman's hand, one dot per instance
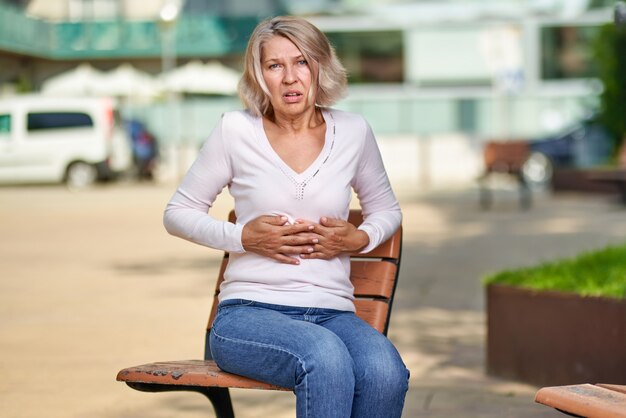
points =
(272, 237)
(335, 236)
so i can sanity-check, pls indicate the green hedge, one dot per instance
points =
(596, 273)
(610, 56)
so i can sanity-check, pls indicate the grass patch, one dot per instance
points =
(596, 273)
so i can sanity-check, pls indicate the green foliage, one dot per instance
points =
(596, 273)
(610, 54)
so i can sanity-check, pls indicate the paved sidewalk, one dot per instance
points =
(91, 283)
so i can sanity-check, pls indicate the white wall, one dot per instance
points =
(446, 54)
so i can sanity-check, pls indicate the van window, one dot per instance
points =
(57, 120)
(5, 124)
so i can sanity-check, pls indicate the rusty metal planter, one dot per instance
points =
(551, 338)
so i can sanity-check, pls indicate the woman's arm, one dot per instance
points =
(186, 214)
(380, 208)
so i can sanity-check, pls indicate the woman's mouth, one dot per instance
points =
(292, 97)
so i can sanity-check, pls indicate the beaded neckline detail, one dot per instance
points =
(300, 184)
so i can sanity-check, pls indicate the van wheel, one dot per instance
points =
(80, 175)
(537, 170)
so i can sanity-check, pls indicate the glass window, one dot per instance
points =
(566, 52)
(5, 124)
(57, 120)
(94, 9)
(370, 57)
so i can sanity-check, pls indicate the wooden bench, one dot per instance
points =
(504, 157)
(374, 276)
(592, 401)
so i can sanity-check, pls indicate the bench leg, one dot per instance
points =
(622, 190)
(220, 398)
(525, 194)
(569, 413)
(485, 196)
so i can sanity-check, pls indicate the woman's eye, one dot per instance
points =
(302, 62)
(274, 66)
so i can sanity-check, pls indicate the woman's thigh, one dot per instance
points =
(271, 346)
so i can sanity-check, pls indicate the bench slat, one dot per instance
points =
(584, 400)
(373, 278)
(616, 388)
(202, 373)
(505, 156)
(374, 312)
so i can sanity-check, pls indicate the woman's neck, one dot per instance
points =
(309, 119)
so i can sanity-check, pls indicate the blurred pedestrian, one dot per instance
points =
(145, 149)
(286, 313)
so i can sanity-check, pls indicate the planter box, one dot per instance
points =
(551, 338)
(581, 180)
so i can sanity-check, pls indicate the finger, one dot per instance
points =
(277, 220)
(298, 228)
(331, 222)
(302, 239)
(296, 249)
(316, 256)
(286, 260)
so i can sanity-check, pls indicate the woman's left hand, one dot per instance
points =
(335, 236)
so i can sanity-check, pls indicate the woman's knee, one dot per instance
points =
(383, 373)
(395, 379)
(328, 361)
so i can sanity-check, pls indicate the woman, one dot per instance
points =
(286, 312)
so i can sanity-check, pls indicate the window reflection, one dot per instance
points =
(370, 57)
(567, 52)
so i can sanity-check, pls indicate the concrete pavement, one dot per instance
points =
(91, 283)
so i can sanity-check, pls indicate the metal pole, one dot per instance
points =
(620, 14)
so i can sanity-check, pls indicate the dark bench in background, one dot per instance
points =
(504, 157)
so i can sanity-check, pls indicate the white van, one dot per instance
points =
(53, 140)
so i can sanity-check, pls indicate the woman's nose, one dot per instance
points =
(289, 76)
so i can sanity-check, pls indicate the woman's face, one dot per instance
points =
(287, 75)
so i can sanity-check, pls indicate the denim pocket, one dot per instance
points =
(226, 306)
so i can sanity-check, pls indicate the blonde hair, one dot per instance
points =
(329, 76)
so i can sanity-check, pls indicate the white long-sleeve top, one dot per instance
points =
(239, 156)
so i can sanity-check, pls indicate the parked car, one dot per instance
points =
(585, 144)
(52, 140)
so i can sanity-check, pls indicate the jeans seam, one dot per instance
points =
(273, 347)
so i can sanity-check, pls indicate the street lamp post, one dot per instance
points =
(168, 16)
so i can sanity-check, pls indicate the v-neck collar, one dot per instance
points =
(312, 169)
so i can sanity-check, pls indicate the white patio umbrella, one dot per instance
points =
(196, 77)
(83, 80)
(128, 82)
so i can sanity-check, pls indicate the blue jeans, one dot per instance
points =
(337, 365)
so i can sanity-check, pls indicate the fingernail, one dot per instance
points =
(315, 241)
(283, 218)
(311, 227)
(310, 250)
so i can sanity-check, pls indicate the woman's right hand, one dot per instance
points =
(273, 237)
